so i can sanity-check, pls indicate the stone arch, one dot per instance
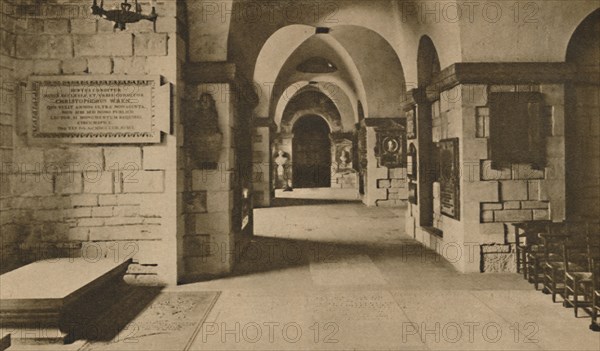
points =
(271, 58)
(340, 98)
(330, 118)
(585, 32)
(381, 72)
(378, 78)
(346, 79)
(298, 107)
(428, 62)
(582, 126)
(428, 65)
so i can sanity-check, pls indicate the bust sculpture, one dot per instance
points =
(282, 180)
(281, 160)
(203, 136)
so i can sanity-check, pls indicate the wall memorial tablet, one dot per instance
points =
(98, 109)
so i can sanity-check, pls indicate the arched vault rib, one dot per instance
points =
(342, 98)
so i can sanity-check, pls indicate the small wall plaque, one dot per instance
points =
(98, 109)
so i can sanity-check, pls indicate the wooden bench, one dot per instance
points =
(35, 300)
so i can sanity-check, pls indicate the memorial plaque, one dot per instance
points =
(97, 109)
(449, 177)
(390, 149)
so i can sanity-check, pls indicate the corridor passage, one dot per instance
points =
(341, 276)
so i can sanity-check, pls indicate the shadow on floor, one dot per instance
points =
(286, 202)
(263, 254)
(110, 313)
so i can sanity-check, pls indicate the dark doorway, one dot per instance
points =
(311, 153)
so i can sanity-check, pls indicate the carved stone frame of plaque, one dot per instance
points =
(342, 152)
(449, 177)
(114, 109)
(390, 149)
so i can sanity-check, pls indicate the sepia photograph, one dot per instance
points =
(299, 175)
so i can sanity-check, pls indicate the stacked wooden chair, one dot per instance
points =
(578, 287)
(565, 258)
(595, 325)
(526, 234)
(541, 249)
(565, 251)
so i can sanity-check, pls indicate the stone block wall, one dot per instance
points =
(494, 198)
(8, 98)
(93, 199)
(344, 180)
(395, 186)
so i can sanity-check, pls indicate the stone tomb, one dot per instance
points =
(36, 300)
(4, 341)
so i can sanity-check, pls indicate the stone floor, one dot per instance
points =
(344, 276)
(341, 276)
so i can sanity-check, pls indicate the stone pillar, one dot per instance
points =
(420, 212)
(261, 163)
(218, 206)
(386, 185)
(492, 195)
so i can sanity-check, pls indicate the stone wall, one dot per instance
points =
(94, 200)
(8, 88)
(515, 192)
(395, 186)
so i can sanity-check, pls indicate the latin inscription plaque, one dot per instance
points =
(95, 109)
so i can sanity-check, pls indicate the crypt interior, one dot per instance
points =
(361, 174)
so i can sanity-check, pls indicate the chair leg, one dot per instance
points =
(594, 325)
(524, 260)
(566, 292)
(518, 260)
(535, 275)
(575, 296)
(525, 267)
(546, 281)
(553, 285)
